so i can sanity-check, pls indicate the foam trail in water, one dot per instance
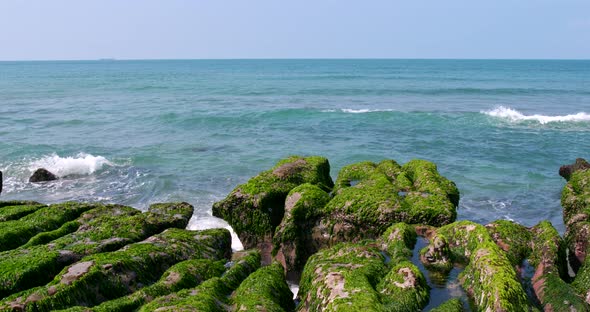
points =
(82, 164)
(364, 110)
(514, 115)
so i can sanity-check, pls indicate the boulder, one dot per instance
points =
(264, 290)
(42, 175)
(370, 197)
(566, 171)
(1, 179)
(548, 258)
(256, 208)
(293, 243)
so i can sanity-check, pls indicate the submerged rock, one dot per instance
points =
(42, 175)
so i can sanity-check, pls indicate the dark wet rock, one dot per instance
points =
(107, 276)
(256, 208)
(1, 181)
(566, 171)
(42, 175)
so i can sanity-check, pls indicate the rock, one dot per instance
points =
(489, 278)
(1, 181)
(436, 256)
(264, 290)
(101, 229)
(211, 295)
(354, 277)
(17, 232)
(512, 238)
(293, 243)
(185, 274)
(256, 208)
(549, 261)
(42, 175)
(566, 171)
(575, 199)
(451, 305)
(107, 276)
(398, 242)
(17, 210)
(370, 197)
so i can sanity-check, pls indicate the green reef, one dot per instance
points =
(374, 239)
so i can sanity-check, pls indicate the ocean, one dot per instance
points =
(140, 132)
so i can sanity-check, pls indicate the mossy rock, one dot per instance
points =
(437, 255)
(369, 197)
(16, 210)
(186, 274)
(398, 241)
(293, 241)
(404, 288)
(107, 276)
(343, 278)
(492, 282)
(575, 199)
(211, 295)
(15, 233)
(264, 290)
(451, 305)
(464, 237)
(102, 229)
(513, 238)
(256, 208)
(581, 282)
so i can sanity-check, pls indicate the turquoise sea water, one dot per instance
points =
(138, 132)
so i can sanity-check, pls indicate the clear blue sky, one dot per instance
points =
(148, 29)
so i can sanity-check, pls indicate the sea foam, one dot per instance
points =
(364, 110)
(82, 164)
(514, 115)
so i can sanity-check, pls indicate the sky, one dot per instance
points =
(219, 29)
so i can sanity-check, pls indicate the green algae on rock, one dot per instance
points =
(17, 209)
(211, 295)
(398, 241)
(548, 259)
(264, 290)
(370, 197)
(404, 288)
(102, 229)
(15, 233)
(256, 208)
(512, 238)
(101, 277)
(185, 274)
(293, 242)
(451, 305)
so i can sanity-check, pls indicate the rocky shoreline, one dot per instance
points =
(348, 243)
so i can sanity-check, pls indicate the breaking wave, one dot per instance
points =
(516, 116)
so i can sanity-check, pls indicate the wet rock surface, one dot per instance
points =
(42, 175)
(351, 245)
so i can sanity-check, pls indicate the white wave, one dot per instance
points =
(82, 164)
(211, 222)
(363, 110)
(514, 115)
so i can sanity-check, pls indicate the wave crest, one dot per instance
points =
(514, 115)
(82, 164)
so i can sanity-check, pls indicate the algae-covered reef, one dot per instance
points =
(350, 244)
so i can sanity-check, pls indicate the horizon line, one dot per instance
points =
(107, 59)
